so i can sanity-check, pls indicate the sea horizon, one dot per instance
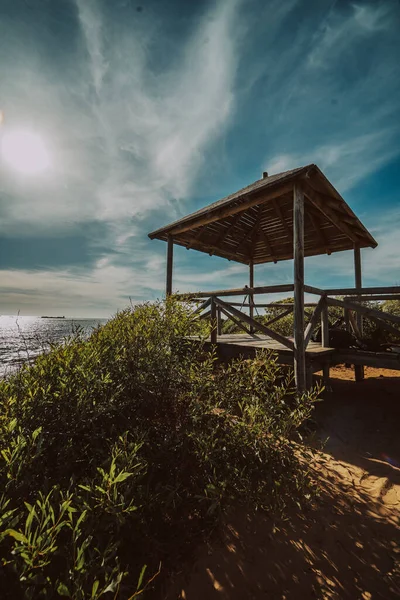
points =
(24, 337)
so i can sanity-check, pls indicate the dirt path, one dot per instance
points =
(347, 545)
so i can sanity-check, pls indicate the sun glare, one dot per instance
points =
(24, 151)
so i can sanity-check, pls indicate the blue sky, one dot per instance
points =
(152, 109)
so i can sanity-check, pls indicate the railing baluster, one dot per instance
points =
(219, 321)
(324, 324)
(213, 315)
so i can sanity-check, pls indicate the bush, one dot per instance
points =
(122, 450)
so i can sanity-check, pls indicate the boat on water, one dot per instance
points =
(46, 317)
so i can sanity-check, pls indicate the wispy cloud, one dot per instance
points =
(335, 111)
(147, 114)
(157, 127)
(341, 31)
(345, 161)
(128, 139)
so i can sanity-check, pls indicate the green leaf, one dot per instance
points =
(81, 518)
(30, 517)
(95, 587)
(122, 476)
(63, 590)
(18, 535)
(85, 487)
(140, 580)
(36, 433)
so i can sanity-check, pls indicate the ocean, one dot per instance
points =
(24, 338)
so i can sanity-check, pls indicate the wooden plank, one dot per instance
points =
(298, 254)
(324, 324)
(358, 369)
(333, 192)
(219, 321)
(228, 230)
(262, 341)
(282, 219)
(273, 305)
(248, 234)
(170, 258)
(384, 316)
(310, 289)
(196, 238)
(251, 296)
(205, 315)
(227, 211)
(383, 360)
(385, 325)
(380, 297)
(212, 249)
(318, 230)
(243, 317)
(364, 291)
(266, 289)
(330, 214)
(261, 258)
(202, 306)
(279, 317)
(267, 243)
(232, 318)
(213, 315)
(354, 326)
(313, 322)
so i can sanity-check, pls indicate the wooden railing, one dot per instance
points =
(351, 302)
(213, 307)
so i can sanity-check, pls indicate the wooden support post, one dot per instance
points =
(170, 258)
(324, 325)
(309, 374)
(325, 341)
(358, 369)
(298, 254)
(213, 315)
(251, 296)
(219, 321)
(346, 315)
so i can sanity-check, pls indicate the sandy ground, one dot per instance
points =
(347, 544)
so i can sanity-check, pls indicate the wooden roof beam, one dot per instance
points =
(196, 238)
(211, 250)
(251, 233)
(230, 228)
(228, 211)
(315, 171)
(317, 228)
(279, 212)
(268, 245)
(329, 213)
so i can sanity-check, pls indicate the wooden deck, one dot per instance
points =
(235, 345)
(263, 341)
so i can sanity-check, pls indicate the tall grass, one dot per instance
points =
(121, 451)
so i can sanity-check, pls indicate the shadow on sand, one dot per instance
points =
(347, 544)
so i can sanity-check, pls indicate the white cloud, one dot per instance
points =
(339, 32)
(93, 25)
(138, 142)
(128, 139)
(372, 17)
(339, 107)
(345, 161)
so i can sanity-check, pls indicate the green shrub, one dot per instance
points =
(122, 450)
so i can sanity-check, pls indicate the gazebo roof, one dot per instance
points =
(256, 223)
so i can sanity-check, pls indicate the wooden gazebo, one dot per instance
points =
(289, 215)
